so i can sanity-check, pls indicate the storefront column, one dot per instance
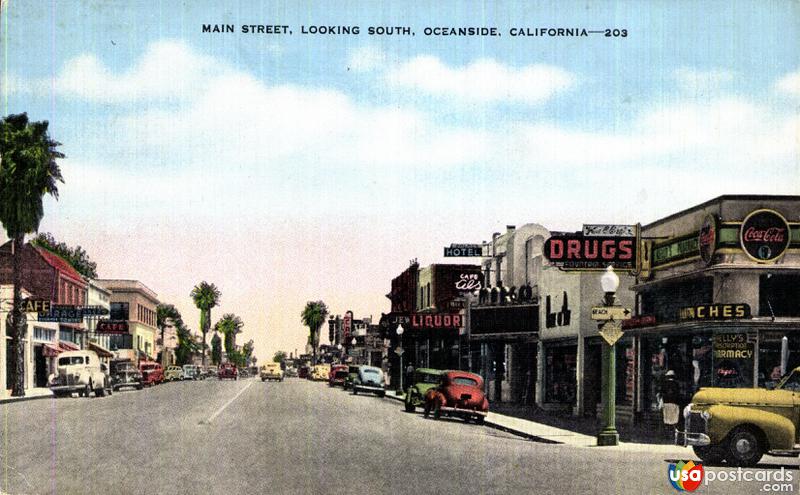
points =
(579, 358)
(540, 373)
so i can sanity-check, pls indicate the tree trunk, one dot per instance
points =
(206, 325)
(17, 330)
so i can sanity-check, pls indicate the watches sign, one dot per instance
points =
(764, 235)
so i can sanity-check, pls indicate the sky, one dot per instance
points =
(286, 168)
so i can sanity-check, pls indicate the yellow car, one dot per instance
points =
(173, 373)
(271, 371)
(321, 372)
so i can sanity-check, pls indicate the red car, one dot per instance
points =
(459, 393)
(152, 373)
(227, 370)
(337, 375)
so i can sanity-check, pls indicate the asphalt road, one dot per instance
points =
(249, 437)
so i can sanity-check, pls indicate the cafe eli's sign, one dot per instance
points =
(764, 235)
(595, 248)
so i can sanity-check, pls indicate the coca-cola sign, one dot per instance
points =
(764, 235)
(707, 240)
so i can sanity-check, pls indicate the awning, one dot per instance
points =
(50, 350)
(68, 346)
(100, 350)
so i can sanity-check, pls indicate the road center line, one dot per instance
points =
(219, 411)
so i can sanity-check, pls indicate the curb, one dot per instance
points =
(9, 400)
(497, 426)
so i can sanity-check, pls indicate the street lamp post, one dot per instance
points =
(400, 338)
(608, 436)
(339, 348)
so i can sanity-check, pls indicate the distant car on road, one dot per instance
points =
(173, 373)
(352, 374)
(320, 372)
(209, 371)
(79, 371)
(152, 373)
(271, 371)
(291, 371)
(337, 375)
(423, 380)
(126, 374)
(369, 379)
(227, 370)
(302, 372)
(190, 372)
(458, 393)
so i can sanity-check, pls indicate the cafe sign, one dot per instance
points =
(764, 235)
(112, 327)
(715, 312)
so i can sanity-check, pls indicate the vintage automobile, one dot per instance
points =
(458, 393)
(79, 371)
(337, 375)
(271, 371)
(320, 372)
(290, 371)
(191, 372)
(740, 425)
(369, 379)
(173, 373)
(208, 372)
(303, 372)
(227, 370)
(126, 374)
(352, 374)
(423, 380)
(152, 373)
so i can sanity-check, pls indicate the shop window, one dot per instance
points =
(560, 377)
(769, 357)
(689, 356)
(665, 300)
(779, 295)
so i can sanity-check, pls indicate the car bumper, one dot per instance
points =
(271, 377)
(686, 439)
(66, 388)
(369, 388)
(460, 410)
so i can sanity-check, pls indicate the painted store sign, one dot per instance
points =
(764, 235)
(715, 312)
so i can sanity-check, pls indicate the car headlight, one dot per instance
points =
(687, 410)
(706, 415)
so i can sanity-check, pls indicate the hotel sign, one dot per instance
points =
(463, 251)
(764, 235)
(715, 312)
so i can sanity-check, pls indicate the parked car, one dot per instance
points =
(209, 371)
(227, 370)
(369, 379)
(458, 393)
(337, 375)
(740, 425)
(190, 372)
(352, 374)
(271, 371)
(320, 372)
(152, 373)
(126, 374)
(423, 380)
(302, 372)
(79, 371)
(173, 373)
(290, 371)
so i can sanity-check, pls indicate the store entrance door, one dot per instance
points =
(40, 366)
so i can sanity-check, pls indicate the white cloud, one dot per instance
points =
(367, 58)
(702, 82)
(789, 84)
(484, 80)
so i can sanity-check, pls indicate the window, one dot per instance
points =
(45, 334)
(119, 311)
(778, 295)
(465, 381)
(66, 361)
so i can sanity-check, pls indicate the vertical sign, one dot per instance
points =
(347, 323)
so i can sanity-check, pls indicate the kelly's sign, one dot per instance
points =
(577, 251)
(715, 312)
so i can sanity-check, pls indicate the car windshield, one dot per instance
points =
(372, 372)
(64, 361)
(792, 382)
(341, 374)
(460, 380)
(149, 367)
(427, 378)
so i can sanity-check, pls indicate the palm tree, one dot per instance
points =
(205, 297)
(28, 170)
(313, 316)
(229, 325)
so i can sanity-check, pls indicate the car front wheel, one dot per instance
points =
(744, 447)
(712, 455)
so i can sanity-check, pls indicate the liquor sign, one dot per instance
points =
(707, 239)
(764, 235)
(577, 251)
(463, 251)
(422, 321)
(112, 327)
(715, 312)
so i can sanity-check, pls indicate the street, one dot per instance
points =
(297, 436)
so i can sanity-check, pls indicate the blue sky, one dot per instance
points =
(288, 168)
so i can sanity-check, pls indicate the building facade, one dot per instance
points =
(132, 326)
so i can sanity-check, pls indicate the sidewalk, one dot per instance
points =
(540, 432)
(30, 394)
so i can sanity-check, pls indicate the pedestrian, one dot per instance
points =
(409, 374)
(671, 398)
